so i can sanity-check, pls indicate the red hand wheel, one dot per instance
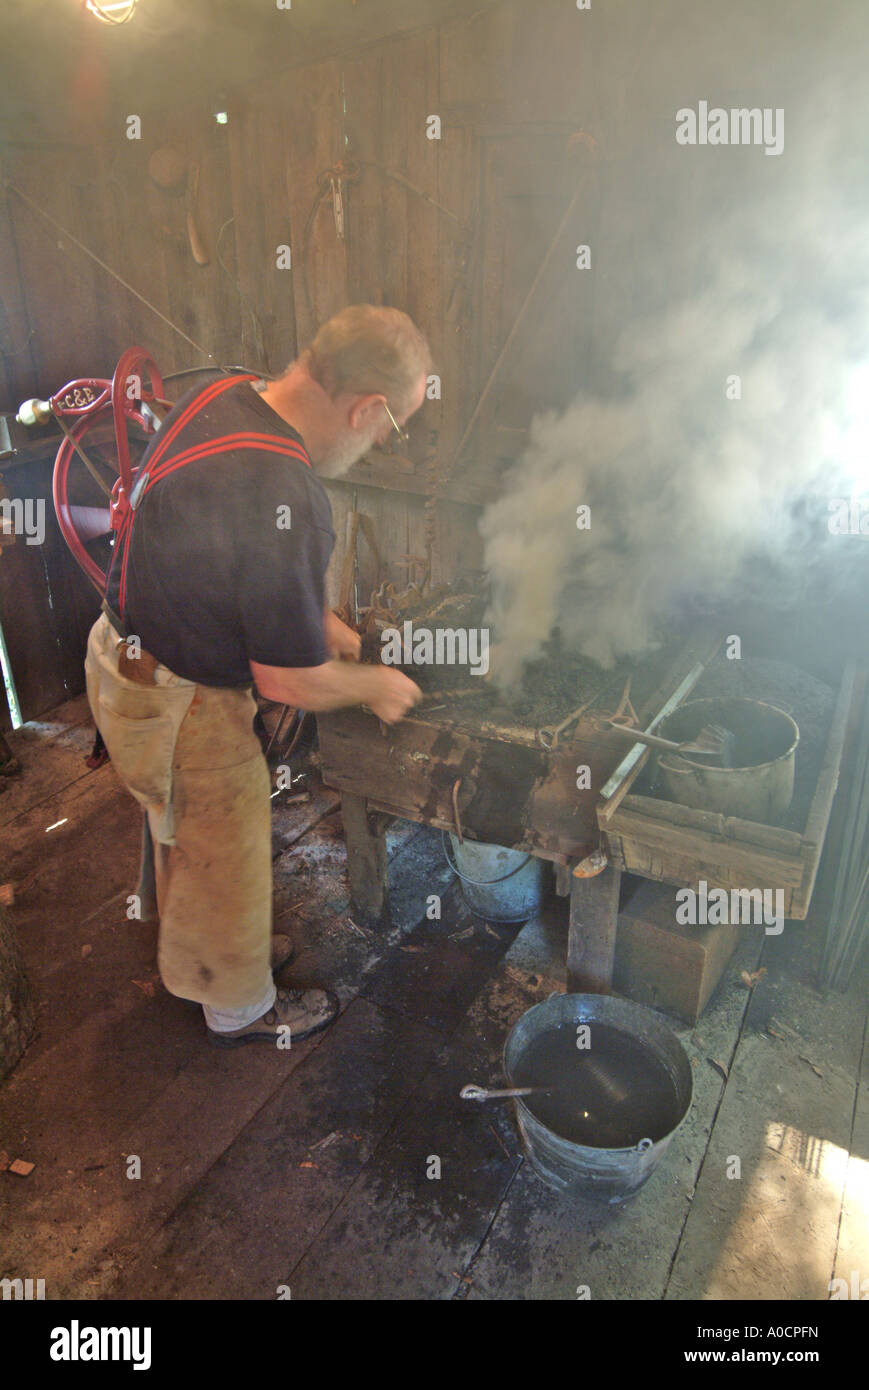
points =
(87, 403)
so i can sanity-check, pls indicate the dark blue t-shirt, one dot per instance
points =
(228, 554)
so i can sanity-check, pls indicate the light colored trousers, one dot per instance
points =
(190, 757)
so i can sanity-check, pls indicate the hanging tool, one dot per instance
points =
(332, 183)
(197, 245)
(337, 187)
(169, 171)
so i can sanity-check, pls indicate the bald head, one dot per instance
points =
(367, 366)
(368, 349)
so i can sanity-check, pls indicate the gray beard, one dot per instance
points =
(343, 454)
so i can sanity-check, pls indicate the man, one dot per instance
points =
(218, 579)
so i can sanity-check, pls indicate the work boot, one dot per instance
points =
(283, 951)
(303, 1011)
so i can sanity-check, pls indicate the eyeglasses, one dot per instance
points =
(402, 434)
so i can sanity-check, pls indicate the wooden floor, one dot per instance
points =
(309, 1168)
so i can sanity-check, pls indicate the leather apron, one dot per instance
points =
(190, 757)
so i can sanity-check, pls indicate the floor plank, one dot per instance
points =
(258, 1209)
(852, 1254)
(52, 754)
(771, 1232)
(410, 1223)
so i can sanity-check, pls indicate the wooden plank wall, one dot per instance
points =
(47, 605)
(451, 230)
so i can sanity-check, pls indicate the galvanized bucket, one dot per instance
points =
(502, 885)
(760, 790)
(604, 1175)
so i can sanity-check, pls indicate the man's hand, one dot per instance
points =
(342, 641)
(394, 695)
(337, 684)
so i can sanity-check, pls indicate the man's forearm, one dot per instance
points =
(341, 640)
(334, 685)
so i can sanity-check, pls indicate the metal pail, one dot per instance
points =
(604, 1175)
(502, 885)
(759, 790)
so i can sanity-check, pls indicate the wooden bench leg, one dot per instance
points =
(365, 836)
(591, 941)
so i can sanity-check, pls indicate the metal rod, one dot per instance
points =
(480, 1093)
(628, 763)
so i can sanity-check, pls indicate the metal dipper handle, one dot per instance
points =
(479, 1092)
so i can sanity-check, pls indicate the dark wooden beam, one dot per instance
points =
(591, 941)
(365, 836)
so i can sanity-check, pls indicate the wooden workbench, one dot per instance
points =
(507, 790)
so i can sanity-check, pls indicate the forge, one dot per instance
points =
(538, 768)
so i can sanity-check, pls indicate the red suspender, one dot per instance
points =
(158, 467)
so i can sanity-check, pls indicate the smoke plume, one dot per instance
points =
(722, 410)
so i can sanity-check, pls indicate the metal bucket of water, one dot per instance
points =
(502, 885)
(606, 1175)
(760, 784)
